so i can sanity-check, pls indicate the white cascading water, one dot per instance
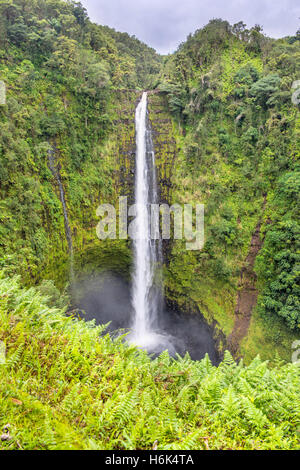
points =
(142, 273)
(146, 293)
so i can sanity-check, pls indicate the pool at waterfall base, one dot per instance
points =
(106, 298)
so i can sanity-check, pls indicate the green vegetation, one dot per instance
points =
(278, 263)
(63, 76)
(66, 386)
(232, 144)
(229, 90)
(226, 134)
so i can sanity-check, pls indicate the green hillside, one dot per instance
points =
(229, 90)
(63, 387)
(226, 135)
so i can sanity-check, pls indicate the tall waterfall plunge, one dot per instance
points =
(147, 277)
(106, 298)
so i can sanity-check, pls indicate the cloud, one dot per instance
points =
(164, 24)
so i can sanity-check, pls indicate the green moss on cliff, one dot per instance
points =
(228, 91)
(225, 135)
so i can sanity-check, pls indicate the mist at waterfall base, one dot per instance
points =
(107, 298)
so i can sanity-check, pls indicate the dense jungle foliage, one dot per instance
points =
(226, 133)
(231, 90)
(63, 387)
(61, 73)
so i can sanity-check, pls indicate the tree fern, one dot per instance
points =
(90, 391)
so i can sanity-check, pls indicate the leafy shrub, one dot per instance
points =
(263, 89)
(65, 385)
(278, 264)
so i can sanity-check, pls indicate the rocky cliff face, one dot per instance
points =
(164, 143)
(118, 153)
(116, 158)
(105, 172)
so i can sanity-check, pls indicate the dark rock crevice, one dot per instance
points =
(247, 294)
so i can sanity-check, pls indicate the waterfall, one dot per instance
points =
(55, 172)
(147, 279)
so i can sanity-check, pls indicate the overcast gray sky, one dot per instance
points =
(164, 24)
